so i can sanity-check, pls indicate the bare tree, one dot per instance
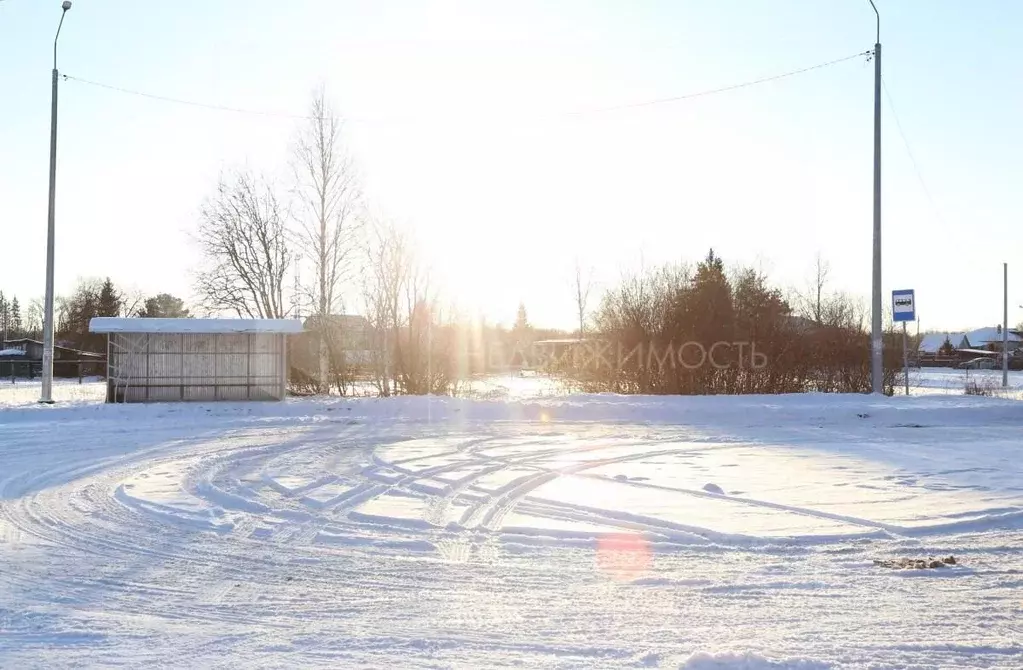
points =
(34, 317)
(811, 302)
(328, 189)
(824, 307)
(133, 302)
(243, 241)
(582, 295)
(414, 350)
(416, 369)
(388, 267)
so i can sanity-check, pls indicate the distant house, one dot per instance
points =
(12, 362)
(33, 351)
(991, 339)
(931, 343)
(24, 357)
(348, 335)
(966, 345)
(16, 354)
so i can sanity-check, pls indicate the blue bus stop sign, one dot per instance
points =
(903, 305)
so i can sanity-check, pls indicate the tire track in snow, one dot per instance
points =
(1003, 518)
(490, 465)
(295, 524)
(408, 478)
(439, 508)
(220, 466)
(86, 515)
(487, 515)
(764, 504)
(486, 511)
(490, 512)
(216, 474)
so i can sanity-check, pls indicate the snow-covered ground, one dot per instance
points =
(578, 532)
(28, 391)
(25, 392)
(952, 381)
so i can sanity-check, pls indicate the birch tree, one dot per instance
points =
(327, 187)
(582, 295)
(389, 266)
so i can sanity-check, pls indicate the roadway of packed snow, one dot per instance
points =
(576, 532)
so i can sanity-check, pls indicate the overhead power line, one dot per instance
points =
(725, 89)
(576, 113)
(909, 152)
(179, 101)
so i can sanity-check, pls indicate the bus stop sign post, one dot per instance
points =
(904, 310)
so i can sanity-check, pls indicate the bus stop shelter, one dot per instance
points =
(166, 360)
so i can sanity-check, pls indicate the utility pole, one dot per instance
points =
(1005, 325)
(877, 344)
(47, 393)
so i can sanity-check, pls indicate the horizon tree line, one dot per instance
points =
(91, 297)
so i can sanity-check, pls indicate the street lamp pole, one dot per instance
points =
(47, 394)
(876, 342)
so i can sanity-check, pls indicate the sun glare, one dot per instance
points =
(623, 556)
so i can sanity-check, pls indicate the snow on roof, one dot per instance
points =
(932, 342)
(11, 352)
(979, 352)
(105, 324)
(982, 336)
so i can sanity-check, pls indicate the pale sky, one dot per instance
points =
(464, 120)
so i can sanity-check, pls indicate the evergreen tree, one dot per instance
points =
(164, 306)
(710, 303)
(4, 317)
(521, 322)
(109, 300)
(15, 329)
(712, 263)
(713, 297)
(91, 298)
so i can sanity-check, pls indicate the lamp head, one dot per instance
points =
(66, 5)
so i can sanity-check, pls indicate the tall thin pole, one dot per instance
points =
(47, 391)
(1005, 325)
(905, 357)
(47, 396)
(876, 351)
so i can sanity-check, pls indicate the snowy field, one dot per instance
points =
(573, 532)
(93, 389)
(26, 392)
(952, 381)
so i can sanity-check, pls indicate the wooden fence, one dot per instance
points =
(14, 369)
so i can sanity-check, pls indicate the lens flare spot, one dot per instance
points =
(623, 555)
